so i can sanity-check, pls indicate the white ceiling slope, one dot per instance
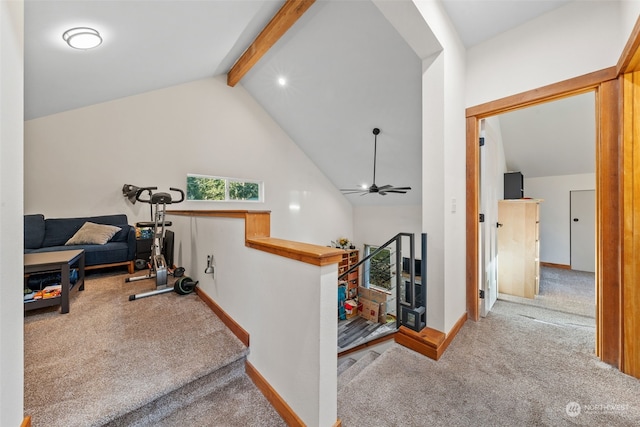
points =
(147, 45)
(348, 69)
(557, 136)
(363, 75)
(479, 20)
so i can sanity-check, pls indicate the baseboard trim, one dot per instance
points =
(368, 344)
(454, 331)
(278, 403)
(237, 330)
(26, 422)
(552, 265)
(429, 342)
(425, 342)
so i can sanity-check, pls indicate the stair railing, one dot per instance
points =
(411, 313)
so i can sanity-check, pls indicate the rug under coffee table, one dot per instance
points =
(51, 262)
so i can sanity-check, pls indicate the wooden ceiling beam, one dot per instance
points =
(288, 14)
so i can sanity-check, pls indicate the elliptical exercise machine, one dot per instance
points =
(158, 268)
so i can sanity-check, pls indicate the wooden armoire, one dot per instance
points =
(519, 247)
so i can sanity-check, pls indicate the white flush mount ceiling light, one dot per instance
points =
(82, 38)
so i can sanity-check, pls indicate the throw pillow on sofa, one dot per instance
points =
(93, 234)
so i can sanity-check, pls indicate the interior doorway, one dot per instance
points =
(552, 145)
(606, 87)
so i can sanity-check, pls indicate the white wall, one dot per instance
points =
(629, 12)
(288, 308)
(433, 171)
(579, 38)
(11, 242)
(555, 221)
(443, 171)
(76, 162)
(375, 225)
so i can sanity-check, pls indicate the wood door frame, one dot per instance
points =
(629, 69)
(608, 195)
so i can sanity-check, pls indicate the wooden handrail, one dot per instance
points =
(305, 252)
(257, 236)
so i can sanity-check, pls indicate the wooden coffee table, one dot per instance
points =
(56, 261)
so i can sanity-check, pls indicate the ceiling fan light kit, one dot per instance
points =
(382, 190)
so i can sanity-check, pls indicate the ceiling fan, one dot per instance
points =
(382, 190)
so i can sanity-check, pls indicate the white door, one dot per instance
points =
(583, 230)
(489, 169)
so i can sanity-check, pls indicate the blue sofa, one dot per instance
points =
(51, 234)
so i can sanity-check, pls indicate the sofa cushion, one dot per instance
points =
(93, 234)
(33, 231)
(59, 230)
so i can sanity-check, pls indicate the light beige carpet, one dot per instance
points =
(563, 290)
(514, 368)
(109, 355)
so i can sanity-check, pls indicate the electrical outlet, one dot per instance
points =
(209, 269)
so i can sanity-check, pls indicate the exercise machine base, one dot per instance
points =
(151, 293)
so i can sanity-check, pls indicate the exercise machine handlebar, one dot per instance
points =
(158, 198)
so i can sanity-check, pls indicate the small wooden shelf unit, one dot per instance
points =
(349, 259)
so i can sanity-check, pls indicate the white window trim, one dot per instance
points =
(227, 180)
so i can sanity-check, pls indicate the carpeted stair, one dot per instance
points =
(349, 368)
(239, 403)
(224, 397)
(345, 364)
(160, 361)
(165, 407)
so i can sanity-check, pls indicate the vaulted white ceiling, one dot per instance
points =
(479, 20)
(348, 70)
(147, 45)
(558, 138)
(359, 77)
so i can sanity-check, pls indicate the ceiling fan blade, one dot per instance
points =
(383, 190)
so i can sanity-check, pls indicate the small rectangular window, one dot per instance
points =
(242, 190)
(217, 188)
(378, 269)
(205, 188)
